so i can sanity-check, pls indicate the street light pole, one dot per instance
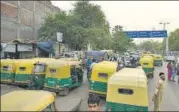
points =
(164, 27)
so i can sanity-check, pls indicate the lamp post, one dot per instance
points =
(164, 27)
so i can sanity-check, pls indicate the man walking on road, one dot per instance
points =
(157, 98)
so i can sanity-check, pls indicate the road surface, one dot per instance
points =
(170, 99)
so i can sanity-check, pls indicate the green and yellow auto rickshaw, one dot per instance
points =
(28, 100)
(100, 74)
(62, 75)
(158, 60)
(39, 72)
(127, 91)
(24, 70)
(8, 70)
(147, 64)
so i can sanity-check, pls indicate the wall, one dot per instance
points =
(22, 19)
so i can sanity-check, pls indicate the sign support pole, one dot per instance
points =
(166, 42)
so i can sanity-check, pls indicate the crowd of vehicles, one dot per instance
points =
(125, 88)
(57, 75)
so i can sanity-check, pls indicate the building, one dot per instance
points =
(21, 20)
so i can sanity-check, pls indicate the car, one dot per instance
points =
(169, 58)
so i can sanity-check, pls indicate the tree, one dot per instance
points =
(174, 40)
(93, 20)
(152, 46)
(120, 42)
(85, 24)
(54, 23)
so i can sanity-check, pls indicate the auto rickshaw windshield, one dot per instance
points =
(38, 68)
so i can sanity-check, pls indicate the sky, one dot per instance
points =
(136, 15)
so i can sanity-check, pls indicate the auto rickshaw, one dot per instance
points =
(127, 91)
(147, 64)
(68, 59)
(61, 76)
(100, 74)
(8, 70)
(24, 70)
(158, 60)
(39, 72)
(28, 100)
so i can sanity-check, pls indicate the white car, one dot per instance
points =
(170, 58)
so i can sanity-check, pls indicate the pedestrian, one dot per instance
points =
(174, 71)
(157, 98)
(89, 62)
(94, 61)
(169, 70)
(93, 102)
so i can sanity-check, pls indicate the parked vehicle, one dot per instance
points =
(147, 64)
(61, 76)
(100, 74)
(98, 55)
(8, 70)
(127, 91)
(28, 100)
(39, 71)
(158, 60)
(127, 61)
(24, 70)
(169, 58)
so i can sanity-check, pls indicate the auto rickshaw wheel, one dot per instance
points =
(152, 75)
(64, 92)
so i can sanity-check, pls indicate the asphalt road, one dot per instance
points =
(170, 98)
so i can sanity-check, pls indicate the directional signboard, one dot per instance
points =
(147, 34)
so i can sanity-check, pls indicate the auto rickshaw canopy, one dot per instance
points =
(6, 62)
(58, 69)
(26, 100)
(103, 67)
(158, 57)
(147, 61)
(26, 64)
(68, 59)
(127, 86)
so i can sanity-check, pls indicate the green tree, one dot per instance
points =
(120, 42)
(174, 40)
(86, 23)
(152, 46)
(54, 23)
(93, 19)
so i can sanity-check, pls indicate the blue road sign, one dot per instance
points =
(147, 34)
(131, 34)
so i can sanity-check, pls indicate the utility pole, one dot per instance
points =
(164, 27)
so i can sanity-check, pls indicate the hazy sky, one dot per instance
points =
(136, 15)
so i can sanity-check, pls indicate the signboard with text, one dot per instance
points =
(24, 47)
(146, 34)
(10, 48)
(59, 36)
